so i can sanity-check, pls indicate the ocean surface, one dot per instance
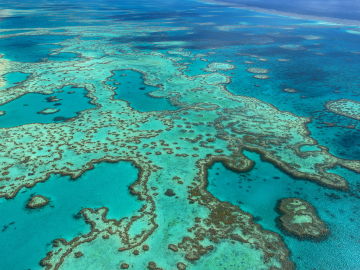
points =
(115, 105)
(347, 9)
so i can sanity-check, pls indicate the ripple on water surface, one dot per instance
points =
(29, 232)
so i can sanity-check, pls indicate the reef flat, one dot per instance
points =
(299, 218)
(346, 107)
(37, 201)
(49, 111)
(200, 122)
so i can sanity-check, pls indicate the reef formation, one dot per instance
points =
(37, 201)
(345, 107)
(49, 111)
(299, 218)
(172, 149)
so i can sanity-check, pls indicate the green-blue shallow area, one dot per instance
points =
(131, 88)
(31, 231)
(13, 78)
(258, 191)
(25, 109)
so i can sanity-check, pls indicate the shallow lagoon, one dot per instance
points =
(13, 78)
(29, 232)
(131, 88)
(66, 103)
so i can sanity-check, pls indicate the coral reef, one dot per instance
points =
(37, 201)
(171, 149)
(345, 107)
(299, 218)
(49, 111)
(258, 70)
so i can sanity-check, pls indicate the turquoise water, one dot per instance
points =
(258, 191)
(62, 57)
(103, 43)
(31, 231)
(13, 78)
(130, 87)
(25, 109)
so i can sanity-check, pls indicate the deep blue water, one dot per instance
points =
(342, 9)
(29, 48)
